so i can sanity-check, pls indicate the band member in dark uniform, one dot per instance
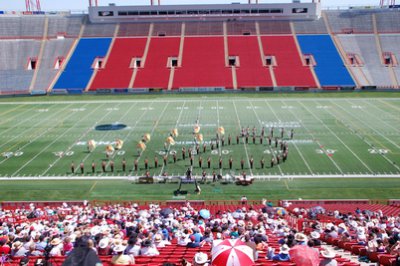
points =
(183, 153)
(73, 167)
(112, 166)
(261, 139)
(191, 159)
(82, 167)
(223, 141)
(198, 149)
(103, 166)
(230, 163)
(272, 162)
(269, 140)
(242, 163)
(254, 139)
(93, 167)
(262, 162)
(214, 176)
(251, 162)
(229, 139)
(123, 165)
(282, 132)
(136, 165)
(204, 147)
(204, 176)
(237, 139)
(209, 162)
(220, 162)
(278, 159)
(146, 164)
(155, 162)
(291, 133)
(276, 142)
(200, 161)
(174, 157)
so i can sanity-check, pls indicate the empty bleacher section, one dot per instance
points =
(204, 28)
(241, 28)
(203, 64)
(14, 57)
(274, 27)
(167, 29)
(117, 72)
(310, 27)
(99, 30)
(365, 46)
(388, 21)
(133, 29)
(55, 52)
(21, 27)
(289, 69)
(351, 21)
(329, 68)
(79, 69)
(391, 44)
(156, 71)
(70, 26)
(251, 72)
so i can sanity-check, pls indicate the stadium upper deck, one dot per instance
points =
(349, 49)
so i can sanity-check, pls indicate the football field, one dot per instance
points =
(331, 136)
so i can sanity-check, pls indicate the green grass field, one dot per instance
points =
(340, 136)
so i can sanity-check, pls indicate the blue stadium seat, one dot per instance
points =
(79, 69)
(330, 68)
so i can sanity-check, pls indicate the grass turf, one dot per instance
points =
(350, 135)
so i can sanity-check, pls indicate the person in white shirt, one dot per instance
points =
(148, 249)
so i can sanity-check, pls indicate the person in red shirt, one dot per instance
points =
(4, 248)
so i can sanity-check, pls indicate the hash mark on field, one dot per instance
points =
(286, 184)
(91, 189)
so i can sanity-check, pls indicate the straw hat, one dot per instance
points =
(315, 235)
(103, 243)
(200, 258)
(119, 248)
(157, 238)
(17, 244)
(56, 241)
(284, 249)
(300, 237)
(329, 254)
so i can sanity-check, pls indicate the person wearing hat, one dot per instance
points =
(329, 258)
(148, 249)
(120, 258)
(300, 238)
(200, 259)
(315, 239)
(103, 248)
(283, 254)
(57, 247)
(158, 242)
(18, 249)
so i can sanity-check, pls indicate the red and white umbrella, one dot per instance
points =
(232, 252)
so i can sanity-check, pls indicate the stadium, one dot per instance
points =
(200, 134)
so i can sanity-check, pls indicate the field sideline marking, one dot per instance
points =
(260, 177)
(244, 144)
(188, 100)
(387, 112)
(388, 104)
(340, 140)
(384, 122)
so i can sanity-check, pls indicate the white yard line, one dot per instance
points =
(151, 133)
(337, 137)
(320, 146)
(15, 116)
(379, 119)
(33, 128)
(55, 140)
(32, 141)
(269, 147)
(80, 138)
(219, 139)
(176, 126)
(396, 108)
(295, 145)
(362, 138)
(244, 144)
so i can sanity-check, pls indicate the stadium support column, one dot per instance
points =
(144, 56)
(300, 53)
(70, 53)
(226, 54)
(40, 57)
(390, 69)
(180, 55)
(262, 56)
(340, 49)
